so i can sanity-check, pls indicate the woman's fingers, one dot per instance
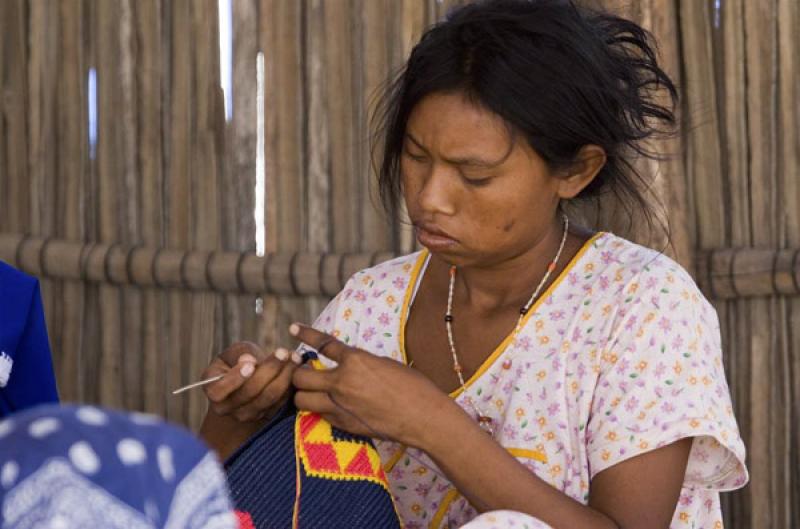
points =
(272, 394)
(233, 377)
(235, 351)
(323, 343)
(307, 379)
(241, 386)
(314, 401)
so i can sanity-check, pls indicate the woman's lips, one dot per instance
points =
(433, 239)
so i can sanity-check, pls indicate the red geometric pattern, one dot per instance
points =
(326, 457)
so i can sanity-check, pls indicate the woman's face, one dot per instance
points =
(476, 195)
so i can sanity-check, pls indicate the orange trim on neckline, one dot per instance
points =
(412, 285)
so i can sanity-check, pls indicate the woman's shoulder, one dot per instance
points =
(397, 273)
(638, 268)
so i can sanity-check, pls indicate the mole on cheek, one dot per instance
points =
(509, 225)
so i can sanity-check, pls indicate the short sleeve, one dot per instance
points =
(662, 379)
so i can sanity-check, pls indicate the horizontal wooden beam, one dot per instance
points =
(731, 273)
(726, 273)
(292, 274)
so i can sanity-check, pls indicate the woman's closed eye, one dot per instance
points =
(477, 181)
(416, 156)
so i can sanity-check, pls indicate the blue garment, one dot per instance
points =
(81, 467)
(26, 365)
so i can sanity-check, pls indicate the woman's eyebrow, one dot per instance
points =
(470, 161)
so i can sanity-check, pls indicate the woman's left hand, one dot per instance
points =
(366, 394)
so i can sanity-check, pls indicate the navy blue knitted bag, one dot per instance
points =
(301, 472)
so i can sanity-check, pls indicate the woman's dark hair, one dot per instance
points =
(560, 75)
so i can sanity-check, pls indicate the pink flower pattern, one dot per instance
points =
(620, 357)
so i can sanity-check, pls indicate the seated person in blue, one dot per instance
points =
(26, 367)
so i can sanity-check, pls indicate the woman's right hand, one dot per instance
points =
(254, 386)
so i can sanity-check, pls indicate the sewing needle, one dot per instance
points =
(197, 384)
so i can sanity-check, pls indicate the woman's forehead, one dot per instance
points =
(456, 126)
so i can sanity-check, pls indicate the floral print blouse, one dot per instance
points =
(621, 355)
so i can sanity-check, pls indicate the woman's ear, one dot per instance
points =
(589, 161)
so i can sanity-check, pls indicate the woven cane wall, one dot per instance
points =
(145, 242)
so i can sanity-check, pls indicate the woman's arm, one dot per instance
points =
(381, 398)
(224, 433)
(253, 387)
(641, 492)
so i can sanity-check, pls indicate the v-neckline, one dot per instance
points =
(417, 274)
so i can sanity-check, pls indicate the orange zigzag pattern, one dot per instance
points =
(329, 458)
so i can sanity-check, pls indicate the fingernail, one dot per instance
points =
(245, 358)
(294, 329)
(247, 369)
(281, 354)
(297, 358)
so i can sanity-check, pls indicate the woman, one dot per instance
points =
(520, 363)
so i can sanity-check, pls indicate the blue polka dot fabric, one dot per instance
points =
(65, 467)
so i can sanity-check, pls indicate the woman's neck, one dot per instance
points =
(510, 282)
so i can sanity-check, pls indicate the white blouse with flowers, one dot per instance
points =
(621, 355)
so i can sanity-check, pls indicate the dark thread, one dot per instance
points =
(325, 344)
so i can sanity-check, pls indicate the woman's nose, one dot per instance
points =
(437, 194)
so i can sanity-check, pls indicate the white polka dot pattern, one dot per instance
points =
(84, 458)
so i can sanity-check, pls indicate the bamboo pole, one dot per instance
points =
(723, 274)
(71, 152)
(788, 162)
(237, 189)
(149, 84)
(14, 107)
(132, 379)
(206, 167)
(179, 188)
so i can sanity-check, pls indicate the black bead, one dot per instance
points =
(448, 318)
(523, 311)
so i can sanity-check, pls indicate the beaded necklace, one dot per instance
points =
(484, 420)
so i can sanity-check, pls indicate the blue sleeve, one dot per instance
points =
(32, 380)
